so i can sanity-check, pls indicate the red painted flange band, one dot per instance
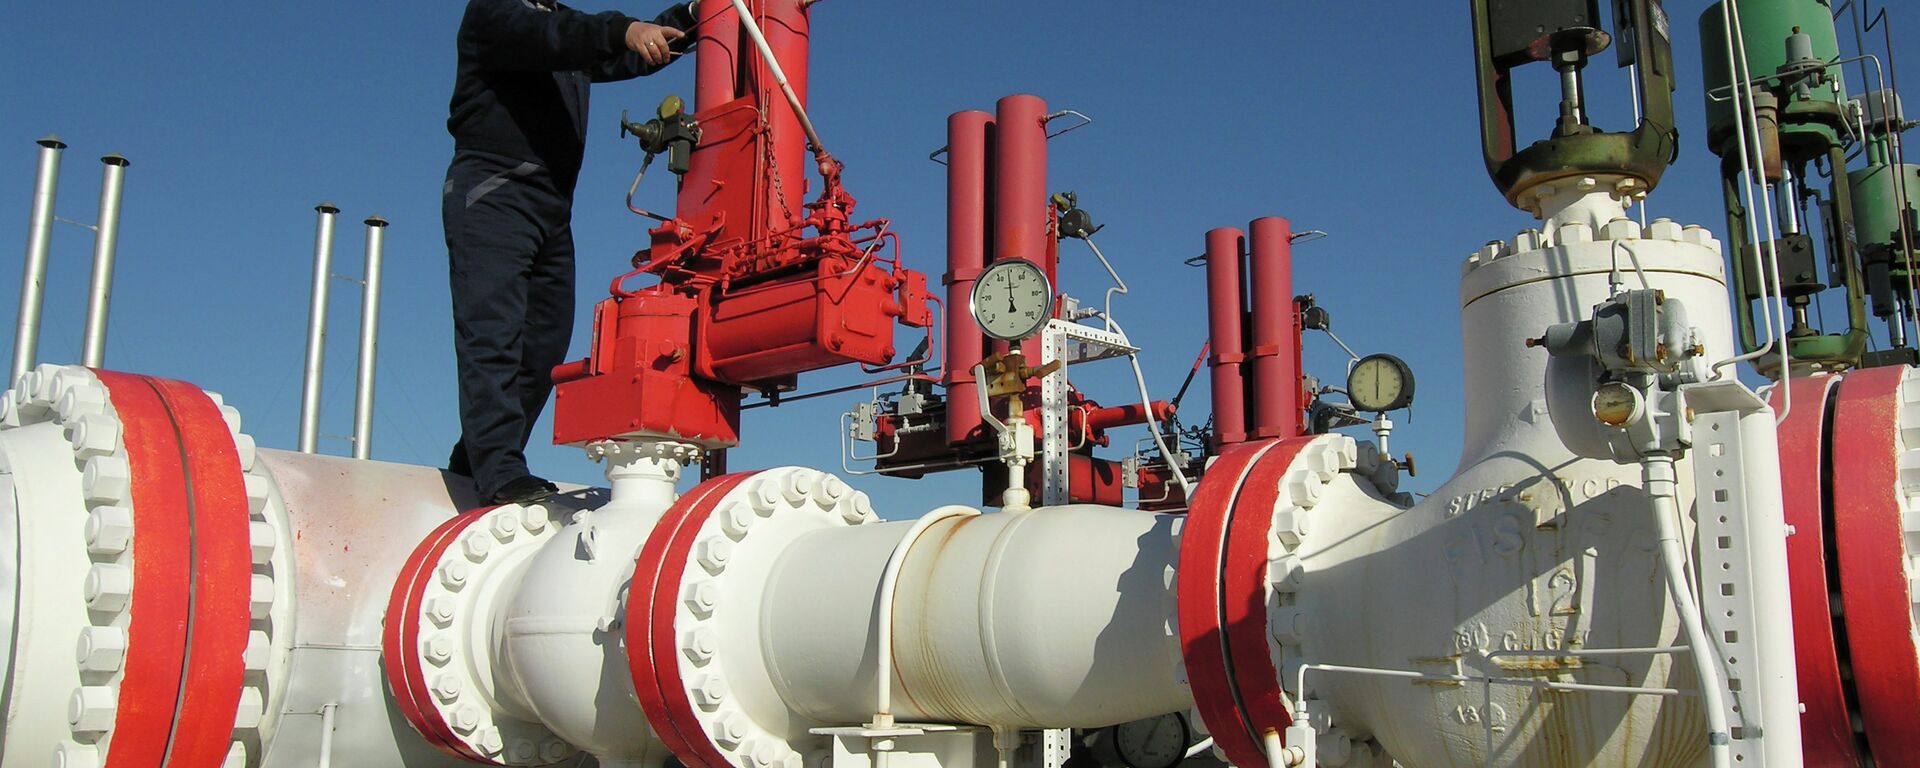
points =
(652, 641)
(1243, 595)
(1870, 538)
(157, 630)
(400, 639)
(1826, 728)
(1203, 641)
(222, 579)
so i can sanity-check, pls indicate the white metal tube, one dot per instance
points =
(106, 244)
(369, 340)
(752, 27)
(883, 624)
(317, 329)
(33, 283)
(1660, 482)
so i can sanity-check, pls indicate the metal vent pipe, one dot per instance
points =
(317, 329)
(369, 336)
(106, 244)
(33, 283)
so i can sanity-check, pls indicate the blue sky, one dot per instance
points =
(1354, 118)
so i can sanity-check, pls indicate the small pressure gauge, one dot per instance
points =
(1012, 300)
(1380, 383)
(1156, 742)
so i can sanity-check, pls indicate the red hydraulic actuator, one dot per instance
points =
(749, 179)
(1225, 321)
(1021, 213)
(967, 241)
(1277, 406)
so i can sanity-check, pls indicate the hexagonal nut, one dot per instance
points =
(259, 649)
(1665, 229)
(798, 486)
(249, 451)
(701, 597)
(252, 708)
(1302, 487)
(236, 756)
(262, 540)
(260, 596)
(863, 504)
(80, 402)
(94, 435)
(1621, 229)
(106, 479)
(101, 649)
(523, 750)
(1290, 526)
(1699, 235)
(1323, 461)
(440, 611)
(69, 754)
(737, 519)
(714, 553)
(1528, 240)
(232, 416)
(555, 750)
(439, 649)
(1573, 233)
(108, 530)
(1909, 467)
(9, 413)
(536, 518)
(465, 718)
(447, 688)
(91, 709)
(828, 492)
(769, 753)
(729, 729)
(1347, 451)
(259, 489)
(504, 525)
(699, 645)
(1285, 573)
(108, 587)
(489, 741)
(454, 575)
(476, 545)
(765, 495)
(710, 692)
(1285, 624)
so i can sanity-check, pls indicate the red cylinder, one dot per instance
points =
(1020, 212)
(729, 172)
(1276, 365)
(1115, 416)
(1224, 323)
(966, 256)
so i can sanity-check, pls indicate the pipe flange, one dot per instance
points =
(1908, 443)
(187, 630)
(693, 642)
(439, 641)
(1296, 494)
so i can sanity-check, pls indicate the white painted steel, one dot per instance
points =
(369, 339)
(1527, 547)
(888, 597)
(106, 245)
(40, 672)
(1055, 617)
(33, 284)
(311, 377)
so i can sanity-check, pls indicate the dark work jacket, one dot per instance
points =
(523, 75)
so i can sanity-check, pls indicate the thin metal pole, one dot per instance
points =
(26, 339)
(317, 330)
(106, 242)
(369, 336)
(752, 27)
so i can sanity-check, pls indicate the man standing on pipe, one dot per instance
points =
(519, 122)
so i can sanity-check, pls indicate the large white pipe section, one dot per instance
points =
(311, 377)
(1056, 617)
(33, 283)
(369, 340)
(106, 244)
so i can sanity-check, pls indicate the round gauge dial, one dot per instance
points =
(1380, 383)
(1156, 742)
(1012, 300)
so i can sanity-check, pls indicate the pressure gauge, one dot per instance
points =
(1380, 383)
(1156, 742)
(1012, 300)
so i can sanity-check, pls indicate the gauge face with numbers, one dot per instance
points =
(1156, 742)
(1012, 300)
(1380, 383)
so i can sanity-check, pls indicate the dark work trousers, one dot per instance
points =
(510, 253)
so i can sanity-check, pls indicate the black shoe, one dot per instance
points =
(525, 489)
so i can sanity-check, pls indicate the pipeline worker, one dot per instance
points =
(519, 121)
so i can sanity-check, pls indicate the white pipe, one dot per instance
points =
(326, 736)
(46, 183)
(752, 27)
(369, 340)
(106, 244)
(883, 625)
(1659, 478)
(317, 330)
(1153, 425)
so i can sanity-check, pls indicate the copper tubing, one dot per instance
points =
(1225, 318)
(1275, 350)
(966, 256)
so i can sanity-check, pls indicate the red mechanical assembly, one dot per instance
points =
(401, 634)
(189, 602)
(1826, 729)
(1873, 416)
(1222, 597)
(752, 286)
(652, 644)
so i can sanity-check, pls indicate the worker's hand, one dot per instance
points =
(651, 40)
